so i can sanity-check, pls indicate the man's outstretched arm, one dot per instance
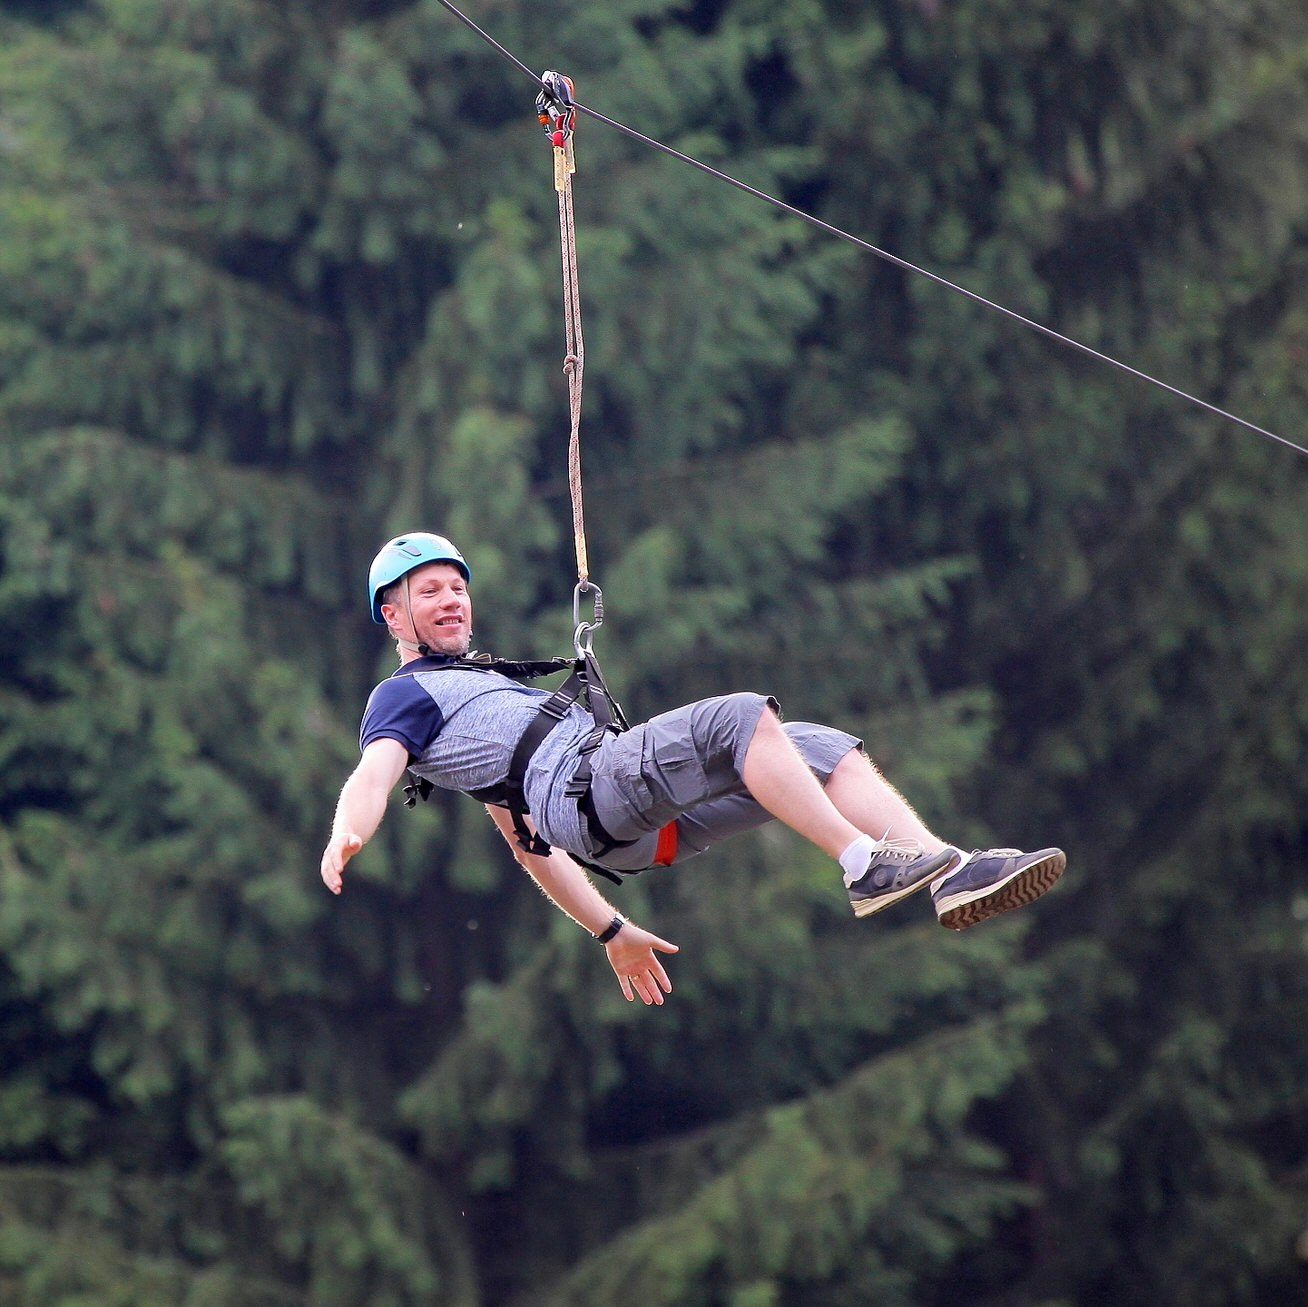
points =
(361, 806)
(632, 951)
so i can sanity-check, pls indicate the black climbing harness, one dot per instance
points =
(585, 686)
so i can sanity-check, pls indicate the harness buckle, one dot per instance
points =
(557, 706)
(594, 740)
(419, 787)
(533, 844)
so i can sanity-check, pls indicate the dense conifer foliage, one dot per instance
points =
(280, 279)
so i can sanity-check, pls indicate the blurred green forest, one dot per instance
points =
(280, 279)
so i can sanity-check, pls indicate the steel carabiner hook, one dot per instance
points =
(583, 632)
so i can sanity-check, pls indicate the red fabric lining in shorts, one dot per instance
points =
(666, 852)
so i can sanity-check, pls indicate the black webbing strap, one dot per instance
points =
(519, 669)
(614, 876)
(586, 681)
(604, 708)
(419, 787)
(609, 718)
(603, 841)
(513, 792)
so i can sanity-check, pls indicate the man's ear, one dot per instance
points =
(391, 614)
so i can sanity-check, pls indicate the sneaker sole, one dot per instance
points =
(1021, 888)
(941, 862)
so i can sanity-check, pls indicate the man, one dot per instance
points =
(622, 802)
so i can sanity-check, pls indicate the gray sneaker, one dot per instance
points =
(992, 881)
(896, 870)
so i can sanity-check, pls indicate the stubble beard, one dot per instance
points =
(459, 649)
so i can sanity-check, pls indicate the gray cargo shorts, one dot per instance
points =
(685, 766)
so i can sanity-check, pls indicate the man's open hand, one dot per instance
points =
(340, 849)
(632, 956)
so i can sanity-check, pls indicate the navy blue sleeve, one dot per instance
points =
(400, 709)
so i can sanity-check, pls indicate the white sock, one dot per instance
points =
(855, 858)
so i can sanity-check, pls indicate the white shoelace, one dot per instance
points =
(865, 850)
(897, 850)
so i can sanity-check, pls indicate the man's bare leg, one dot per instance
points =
(870, 802)
(995, 880)
(859, 804)
(878, 869)
(857, 799)
(781, 782)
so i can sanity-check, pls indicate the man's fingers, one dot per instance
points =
(334, 858)
(639, 971)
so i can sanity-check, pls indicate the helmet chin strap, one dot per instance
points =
(421, 650)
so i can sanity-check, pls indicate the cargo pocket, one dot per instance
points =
(655, 774)
(671, 777)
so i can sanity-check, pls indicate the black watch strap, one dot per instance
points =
(611, 929)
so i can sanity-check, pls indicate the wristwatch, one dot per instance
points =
(611, 929)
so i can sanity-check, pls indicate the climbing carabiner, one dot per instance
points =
(556, 108)
(583, 632)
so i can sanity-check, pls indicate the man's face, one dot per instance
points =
(441, 607)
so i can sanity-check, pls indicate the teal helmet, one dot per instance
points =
(401, 555)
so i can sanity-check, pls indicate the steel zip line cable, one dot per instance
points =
(869, 248)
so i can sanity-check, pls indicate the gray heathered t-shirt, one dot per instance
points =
(461, 725)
